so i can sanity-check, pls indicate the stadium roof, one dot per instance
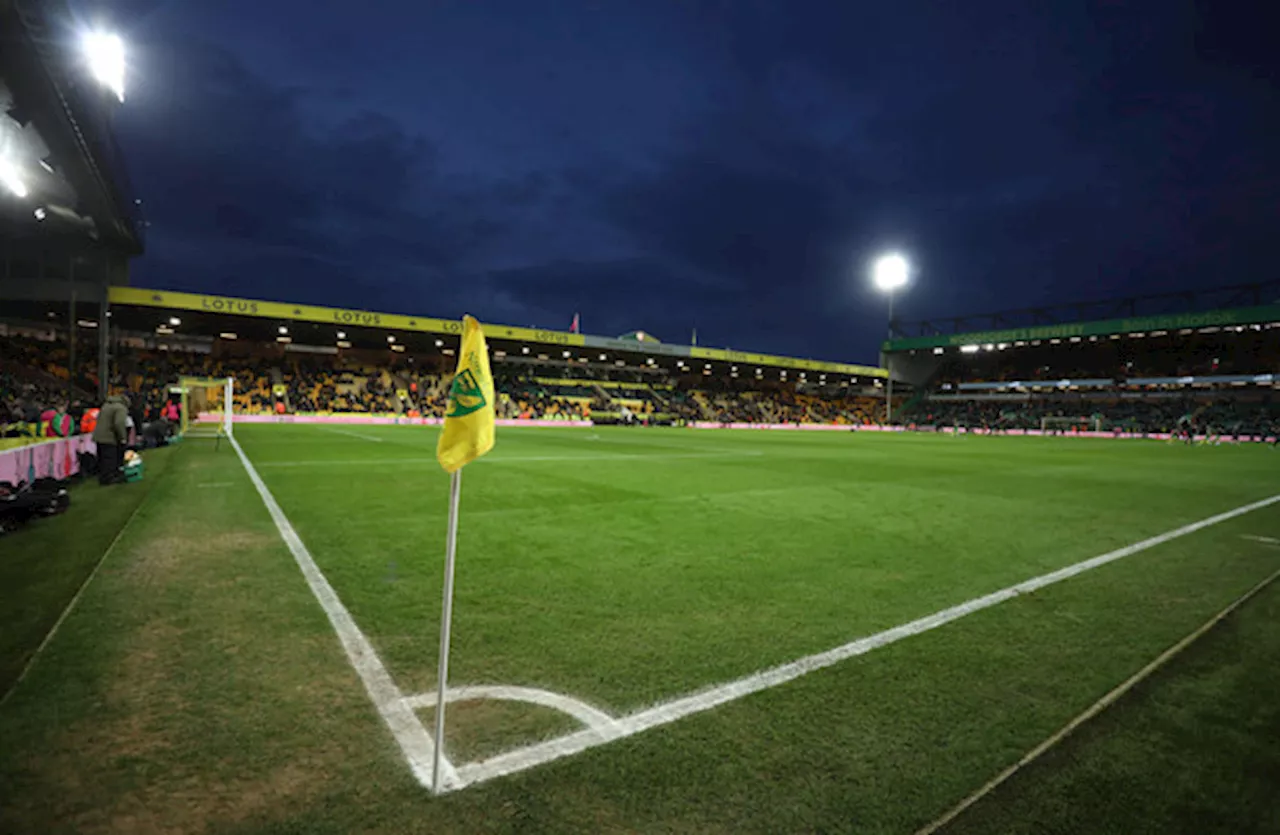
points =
(1236, 306)
(65, 174)
(392, 323)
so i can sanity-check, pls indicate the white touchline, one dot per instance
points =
(1265, 540)
(527, 757)
(487, 460)
(359, 435)
(414, 741)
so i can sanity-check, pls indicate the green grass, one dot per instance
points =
(43, 564)
(1193, 750)
(199, 687)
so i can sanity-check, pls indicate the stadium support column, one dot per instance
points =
(104, 342)
(71, 330)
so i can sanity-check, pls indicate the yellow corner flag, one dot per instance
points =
(468, 419)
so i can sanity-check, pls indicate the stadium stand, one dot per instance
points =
(1209, 379)
(355, 381)
(1210, 372)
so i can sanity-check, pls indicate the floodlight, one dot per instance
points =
(12, 178)
(889, 272)
(175, 321)
(105, 53)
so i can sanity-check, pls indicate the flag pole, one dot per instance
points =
(446, 617)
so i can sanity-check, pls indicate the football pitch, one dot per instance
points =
(654, 629)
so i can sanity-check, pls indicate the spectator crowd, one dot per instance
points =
(35, 381)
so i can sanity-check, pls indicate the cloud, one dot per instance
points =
(240, 182)
(1019, 156)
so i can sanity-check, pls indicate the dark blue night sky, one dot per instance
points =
(725, 165)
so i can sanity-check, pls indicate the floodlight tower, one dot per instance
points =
(104, 54)
(890, 273)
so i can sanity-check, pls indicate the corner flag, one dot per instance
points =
(467, 434)
(468, 420)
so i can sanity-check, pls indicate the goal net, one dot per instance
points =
(1092, 423)
(206, 406)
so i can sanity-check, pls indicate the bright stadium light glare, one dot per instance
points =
(12, 179)
(342, 334)
(282, 329)
(890, 272)
(105, 53)
(174, 321)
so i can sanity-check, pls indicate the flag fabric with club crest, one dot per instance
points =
(468, 419)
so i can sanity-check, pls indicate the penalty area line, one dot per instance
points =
(405, 726)
(521, 759)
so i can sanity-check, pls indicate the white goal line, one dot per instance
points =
(415, 743)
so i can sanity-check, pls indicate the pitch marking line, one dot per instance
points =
(1265, 540)
(362, 436)
(414, 741)
(26, 668)
(530, 756)
(592, 717)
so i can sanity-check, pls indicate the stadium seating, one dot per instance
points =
(268, 380)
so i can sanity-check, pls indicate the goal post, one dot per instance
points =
(209, 396)
(1058, 424)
